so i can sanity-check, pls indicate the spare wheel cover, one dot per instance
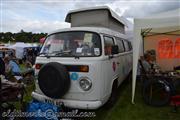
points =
(53, 80)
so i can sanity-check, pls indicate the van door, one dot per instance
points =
(121, 60)
(130, 56)
(109, 65)
(127, 57)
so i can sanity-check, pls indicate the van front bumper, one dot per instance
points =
(69, 103)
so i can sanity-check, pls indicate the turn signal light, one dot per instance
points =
(84, 68)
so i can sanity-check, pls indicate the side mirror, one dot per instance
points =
(115, 49)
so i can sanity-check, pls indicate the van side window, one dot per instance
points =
(126, 45)
(108, 43)
(120, 45)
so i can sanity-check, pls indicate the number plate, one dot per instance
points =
(58, 103)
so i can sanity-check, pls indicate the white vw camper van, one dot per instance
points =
(83, 66)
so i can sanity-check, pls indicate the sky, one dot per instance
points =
(48, 15)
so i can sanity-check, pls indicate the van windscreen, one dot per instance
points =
(74, 43)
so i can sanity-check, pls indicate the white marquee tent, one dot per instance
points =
(163, 23)
(19, 47)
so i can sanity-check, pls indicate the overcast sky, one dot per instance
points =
(48, 15)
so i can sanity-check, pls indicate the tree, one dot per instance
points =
(21, 36)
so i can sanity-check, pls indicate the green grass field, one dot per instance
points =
(124, 110)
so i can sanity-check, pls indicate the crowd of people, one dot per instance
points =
(30, 54)
(10, 66)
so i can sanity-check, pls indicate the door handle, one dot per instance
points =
(118, 63)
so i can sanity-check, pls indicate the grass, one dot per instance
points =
(124, 110)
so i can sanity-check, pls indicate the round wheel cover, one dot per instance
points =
(53, 80)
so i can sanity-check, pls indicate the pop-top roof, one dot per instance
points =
(121, 19)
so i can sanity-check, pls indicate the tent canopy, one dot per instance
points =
(164, 23)
(19, 47)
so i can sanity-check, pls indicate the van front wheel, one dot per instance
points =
(112, 99)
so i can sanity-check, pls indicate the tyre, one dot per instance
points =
(113, 97)
(53, 80)
(156, 92)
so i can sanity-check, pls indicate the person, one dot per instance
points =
(12, 66)
(147, 62)
(2, 66)
(28, 72)
(28, 65)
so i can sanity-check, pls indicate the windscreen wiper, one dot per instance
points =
(43, 53)
(67, 52)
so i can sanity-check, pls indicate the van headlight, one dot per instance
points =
(85, 84)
